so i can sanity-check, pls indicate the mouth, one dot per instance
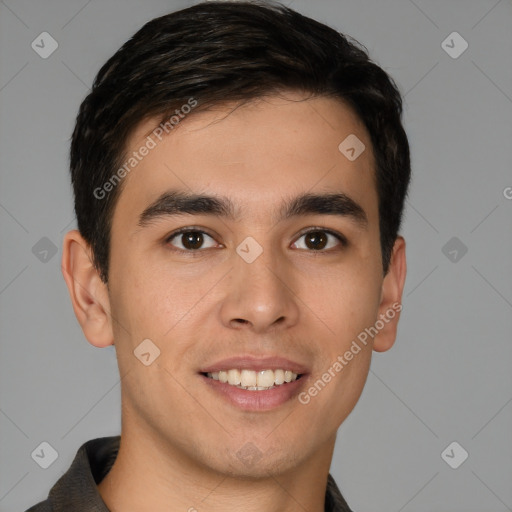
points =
(255, 386)
(252, 380)
(255, 383)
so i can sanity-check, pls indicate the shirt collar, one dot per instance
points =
(77, 489)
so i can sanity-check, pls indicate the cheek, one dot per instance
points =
(160, 305)
(334, 391)
(346, 302)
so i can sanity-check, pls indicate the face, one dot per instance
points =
(258, 284)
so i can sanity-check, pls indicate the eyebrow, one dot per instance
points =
(178, 202)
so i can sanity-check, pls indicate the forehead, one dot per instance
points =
(254, 153)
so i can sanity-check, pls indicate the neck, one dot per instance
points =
(151, 474)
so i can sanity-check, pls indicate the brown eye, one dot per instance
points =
(318, 239)
(191, 239)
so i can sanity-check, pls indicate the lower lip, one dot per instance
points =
(263, 400)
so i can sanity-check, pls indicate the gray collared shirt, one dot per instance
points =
(76, 490)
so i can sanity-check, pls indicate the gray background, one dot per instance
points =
(448, 377)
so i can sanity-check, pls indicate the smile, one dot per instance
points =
(254, 380)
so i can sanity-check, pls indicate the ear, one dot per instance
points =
(88, 293)
(391, 298)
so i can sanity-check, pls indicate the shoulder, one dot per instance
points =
(77, 489)
(42, 506)
(334, 500)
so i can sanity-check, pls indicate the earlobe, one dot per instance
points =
(391, 298)
(88, 293)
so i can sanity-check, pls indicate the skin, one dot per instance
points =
(179, 438)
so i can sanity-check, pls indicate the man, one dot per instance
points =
(239, 173)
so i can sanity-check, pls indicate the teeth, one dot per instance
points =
(248, 378)
(252, 380)
(279, 376)
(234, 377)
(265, 378)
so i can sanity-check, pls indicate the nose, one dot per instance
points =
(260, 295)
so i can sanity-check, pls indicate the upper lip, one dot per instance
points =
(248, 362)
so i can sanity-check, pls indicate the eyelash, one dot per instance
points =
(343, 241)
